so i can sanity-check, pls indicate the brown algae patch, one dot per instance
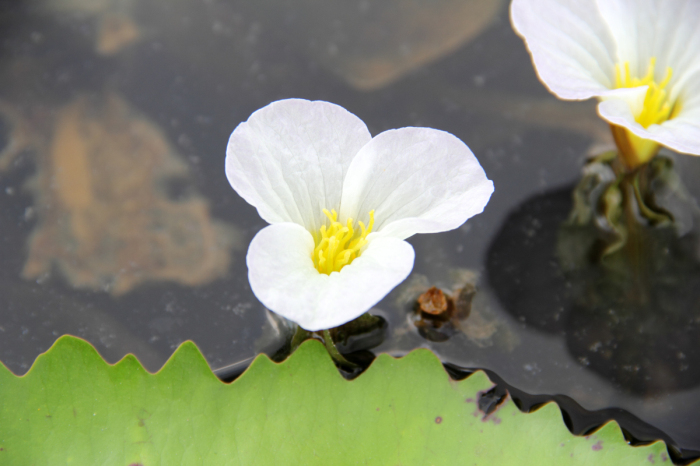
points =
(105, 218)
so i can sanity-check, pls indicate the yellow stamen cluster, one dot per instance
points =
(657, 107)
(338, 245)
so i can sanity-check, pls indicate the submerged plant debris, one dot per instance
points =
(440, 313)
(113, 202)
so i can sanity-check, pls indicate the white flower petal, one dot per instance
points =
(678, 41)
(289, 159)
(627, 101)
(665, 29)
(682, 133)
(282, 276)
(417, 180)
(571, 47)
(632, 26)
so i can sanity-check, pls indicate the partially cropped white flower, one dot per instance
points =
(340, 204)
(641, 58)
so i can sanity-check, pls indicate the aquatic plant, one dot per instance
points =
(73, 407)
(639, 58)
(341, 203)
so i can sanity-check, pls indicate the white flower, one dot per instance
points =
(340, 204)
(641, 58)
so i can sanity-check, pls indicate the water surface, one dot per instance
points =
(118, 224)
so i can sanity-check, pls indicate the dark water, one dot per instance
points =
(183, 74)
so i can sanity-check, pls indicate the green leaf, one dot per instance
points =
(74, 408)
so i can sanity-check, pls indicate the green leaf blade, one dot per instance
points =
(74, 408)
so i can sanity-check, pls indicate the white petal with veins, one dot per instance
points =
(289, 159)
(284, 279)
(417, 180)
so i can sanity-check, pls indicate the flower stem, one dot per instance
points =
(633, 150)
(644, 210)
(333, 351)
(635, 246)
(298, 338)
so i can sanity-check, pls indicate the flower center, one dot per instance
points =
(657, 108)
(338, 245)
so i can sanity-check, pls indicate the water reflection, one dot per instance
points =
(635, 324)
(371, 44)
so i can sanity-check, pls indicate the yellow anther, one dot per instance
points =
(338, 245)
(657, 107)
